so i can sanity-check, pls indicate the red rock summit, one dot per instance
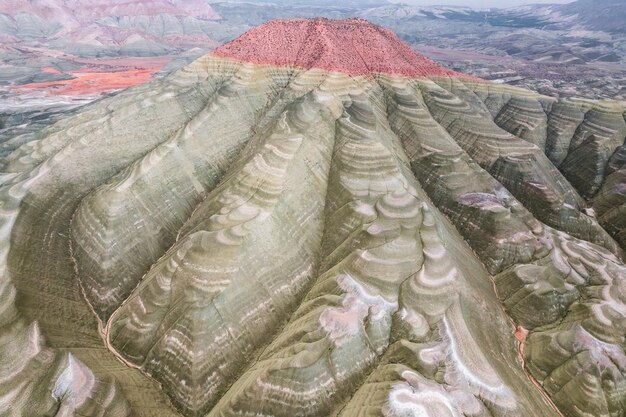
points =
(352, 46)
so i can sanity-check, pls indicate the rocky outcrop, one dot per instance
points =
(301, 232)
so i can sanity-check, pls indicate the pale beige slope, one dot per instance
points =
(37, 207)
(569, 293)
(585, 139)
(389, 297)
(207, 306)
(168, 183)
(281, 235)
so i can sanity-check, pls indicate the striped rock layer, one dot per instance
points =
(334, 226)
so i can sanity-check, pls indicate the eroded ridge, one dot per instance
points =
(203, 310)
(53, 357)
(300, 232)
(386, 303)
(583, 138)
(573, 302)
(177, 175)
(567, 292)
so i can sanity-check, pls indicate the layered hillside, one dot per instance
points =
(109, 28)
(59, 53)
(314, 220)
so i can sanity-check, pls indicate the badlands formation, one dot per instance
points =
(314, 220)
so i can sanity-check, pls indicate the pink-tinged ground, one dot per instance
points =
(70, 12)
(123, 63)
(90, 82)
(351, 46)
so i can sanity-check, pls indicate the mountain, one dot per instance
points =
(86, 48)
(573, 33)
(60, 54)
(106, 27)
(323, 4)
(600, 15)
(595, 15)
(315, 220)
(551, 49)
(69, 51)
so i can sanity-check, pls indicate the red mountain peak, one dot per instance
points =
(353, 46)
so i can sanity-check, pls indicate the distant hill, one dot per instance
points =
(107, 27)
(605, 15)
